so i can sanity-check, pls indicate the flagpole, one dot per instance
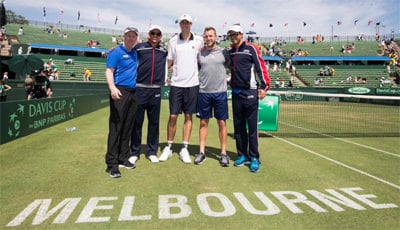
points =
(44, 17)
(79, 20)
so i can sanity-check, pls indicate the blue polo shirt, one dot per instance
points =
(125, 65)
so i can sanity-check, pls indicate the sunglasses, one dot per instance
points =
(154, 33)
(231, 35)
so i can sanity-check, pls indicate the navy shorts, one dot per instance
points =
(207, 103)
(183, 99)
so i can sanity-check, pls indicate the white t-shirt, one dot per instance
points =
(184, 56)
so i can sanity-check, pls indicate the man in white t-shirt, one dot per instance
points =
(182, 60)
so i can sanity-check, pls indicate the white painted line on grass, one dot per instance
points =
(339, 163)
(344, 140)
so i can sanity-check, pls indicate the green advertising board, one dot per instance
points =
(21, 118)
(268, 113)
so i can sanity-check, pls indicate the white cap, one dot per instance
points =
(186, 17)
(130, 28)
(155, 27)
(236, 28)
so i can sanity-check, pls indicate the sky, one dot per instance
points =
(268, 18)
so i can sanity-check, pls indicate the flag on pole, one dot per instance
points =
(44, 11)
(79, 15)
(355, 22)
(378, 23)
(150, 22)
(286, 24)
(116, 20)
(369, 22)
(339, 23)
(98, 18)
(252, 24)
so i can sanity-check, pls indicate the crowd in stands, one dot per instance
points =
(51, 69)
(348, 48)
(356, 79)
(327, 71)
(390, 50)
(318, 38)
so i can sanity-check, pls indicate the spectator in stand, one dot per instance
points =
(51, 63)
(28, 49)
(275, 67)
(56, 74)
(283, 83)
(321, 72)
(5, 77)
(290, 85)
(4, 88)
(69, 61)
(21, 31)
(87, 74)
(20, 50)
(277, 83)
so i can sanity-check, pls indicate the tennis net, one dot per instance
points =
(305, 114)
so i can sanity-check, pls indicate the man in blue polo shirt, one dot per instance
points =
(121, 64)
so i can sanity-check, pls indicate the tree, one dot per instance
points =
(13, 18)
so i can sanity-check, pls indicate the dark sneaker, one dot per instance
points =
(199, 158)
(113, 172)
(254, 165)
(242, 160)
(127, 165)
(224, 161)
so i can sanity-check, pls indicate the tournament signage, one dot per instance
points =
(388, 91)
(359, 90)
(21, 118)
(171, 207)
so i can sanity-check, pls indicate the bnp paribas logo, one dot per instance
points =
(15, 121)
(359, 90)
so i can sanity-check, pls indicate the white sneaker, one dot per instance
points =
(166, 154)
(133, 159)
(153, 159)
(184, 156)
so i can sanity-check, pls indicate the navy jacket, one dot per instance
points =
(152, 64)
(244, 62)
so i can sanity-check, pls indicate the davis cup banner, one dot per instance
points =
(21, 118)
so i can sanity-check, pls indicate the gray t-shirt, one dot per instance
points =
(212, 70)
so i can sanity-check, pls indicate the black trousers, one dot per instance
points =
(245, 116)
(122, 115)
(149, 103)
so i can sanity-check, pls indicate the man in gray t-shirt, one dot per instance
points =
(212, 97)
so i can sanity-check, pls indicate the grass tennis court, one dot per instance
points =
(330, 166)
